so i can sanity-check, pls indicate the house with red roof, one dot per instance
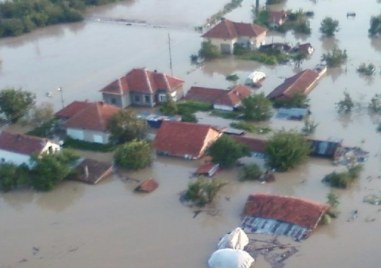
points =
(88, 121)
(184, 139)
(142, 87)
(221, 99)
(276, 18)
(301, 83)
(226, 34)
(282, 215)
(19, 148)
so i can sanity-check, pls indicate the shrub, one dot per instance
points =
(203, 191)
(250, 172)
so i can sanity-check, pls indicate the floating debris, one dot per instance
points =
(373, 199)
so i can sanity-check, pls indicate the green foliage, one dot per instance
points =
(309, 126)
(375, 26)
(226, 151)
(302, 26)
(189, 117)
(286, 150)
(134, 155)
(50, 169)
(335, 58)
(375, 103)
(262, 17)
(22, 16)
(209, 51)
(257, 108)
(273, 2)
(232, 77)
(329, 26)
(343, 179)
(124, 126)
(12, 176)
(366, 69)
(260, 57)
(226, 9)
(250, 172)
(40, 115)
(203, 191)
(226, 114)
(345, 105)
(15, 103)
(192, 107)
(250, 127)
(297, 100)
(169, 106)
(88, 146)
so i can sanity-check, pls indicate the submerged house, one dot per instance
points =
(276, 18)
(300, 83)
(324, 148)
(282, 215)
(221, 99)
(183, 139)
(226, 34)
(88, 121)
(19, 148)
(257, 147)
(142, 87)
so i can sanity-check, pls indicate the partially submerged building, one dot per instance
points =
(90, 171)
(281, 215)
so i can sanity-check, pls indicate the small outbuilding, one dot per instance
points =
(147, 186)
(91, 171)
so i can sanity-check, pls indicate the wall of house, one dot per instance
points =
(117, 100)
(260, 40)
(210, 138)
(140, 99)
(88, 135)
(15, 158)
(223, 107)
(221, 44)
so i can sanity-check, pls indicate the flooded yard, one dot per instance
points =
(108, 225)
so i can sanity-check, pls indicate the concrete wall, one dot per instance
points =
(88, 135)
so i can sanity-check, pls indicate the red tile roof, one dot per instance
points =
(72, 109)
(234, 96)
(204, 94)
(147, 186)
(182, 138)
(91, 171)
(94, 117)
(277, 17)
(227, 29)
(289, 209)
(300, 83)
(143, 80)
(22, 144)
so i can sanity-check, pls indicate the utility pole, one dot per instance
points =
(170, 54)
(59, 89)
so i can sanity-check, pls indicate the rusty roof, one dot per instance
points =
(183, 138)
(22, 144)
(289, 209)
(204, 94)
(234, 96)
(227, 29)
(143, 80)
(147, 186)
(299, 83)
(94, 117)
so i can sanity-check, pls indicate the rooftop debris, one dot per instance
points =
(292, 113)
(373, 199)
(147, 186)
(349, 156)
(207, 169)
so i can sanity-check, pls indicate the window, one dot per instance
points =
(162, 97)
(147, 99)
(113, 101)
(137, 98)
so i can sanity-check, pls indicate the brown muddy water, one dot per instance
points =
(108, 225)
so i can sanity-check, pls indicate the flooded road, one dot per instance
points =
(110, 226)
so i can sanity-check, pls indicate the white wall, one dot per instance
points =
(14, 158)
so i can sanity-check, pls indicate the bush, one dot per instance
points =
(366, 69)
(335, 58)
(209, 51)
(250, 172)
(343, 179)
(202, 191)
(88, 146)
(250, 127)
(136, 154)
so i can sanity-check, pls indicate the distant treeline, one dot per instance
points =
(23, 16)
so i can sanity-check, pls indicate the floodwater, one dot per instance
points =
(108, 225)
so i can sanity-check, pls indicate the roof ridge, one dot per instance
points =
(148, 80)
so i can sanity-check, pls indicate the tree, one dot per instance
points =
(169, 106)
(366, 69)
(12, 176)
(375, 26)
(343, 179)
(345, 105)
(15, 103)
(297, 100)
(218, 151)
(257, 107)
(286, 150)
(136, 154)
(202, 191)
(329, 26)
(124, 126)
(40, 115)
(335, 58)
(208, 51)
(50, 169)
(250, 172)
(309, 126)
(375, 103)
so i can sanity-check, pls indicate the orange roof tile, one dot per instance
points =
(143, 80)
(289, 209)
(94, 117)
(72, 109)
(234, 96)
(182, 138)
(227, 29)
